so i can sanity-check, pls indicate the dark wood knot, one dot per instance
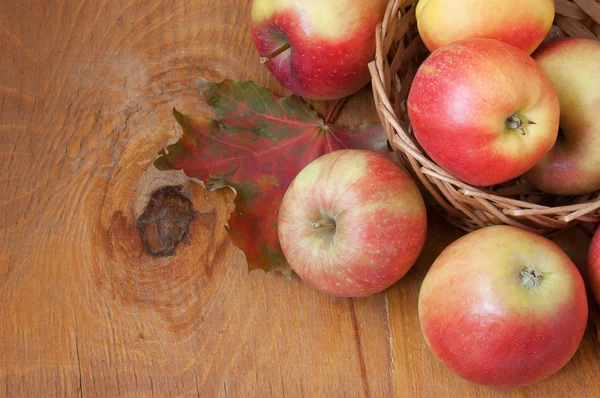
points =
(166, 221)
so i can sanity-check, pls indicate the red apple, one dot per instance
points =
(483, 110)
(593, 265)
(352, 223)
(572, 167)
(327, 44)
(522, 23)
(503, 307)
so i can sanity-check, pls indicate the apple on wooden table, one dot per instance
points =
(352, 223)
(522, 23)
(503, 307)
(483, 110)
(318, 49)
(572, 167)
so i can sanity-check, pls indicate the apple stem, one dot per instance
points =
(323, 224)
(275, 53)
(531, 278)
(338, 105)
(515, 121)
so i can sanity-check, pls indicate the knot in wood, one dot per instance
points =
(166, 221)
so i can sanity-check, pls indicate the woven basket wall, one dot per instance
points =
(400, 51)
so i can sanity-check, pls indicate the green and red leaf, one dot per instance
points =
(258, 145)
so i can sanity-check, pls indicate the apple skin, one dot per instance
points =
(572, 167)
(332, 43)
(521, 23)
(459, 103)
(380, 223)
(481, 321)
(593, 265)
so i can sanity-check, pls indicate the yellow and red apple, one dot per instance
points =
(503, 307)
(317, 49)
(522, 23)
(593, 265)
(352, 223)
(483, 110)
(572, 167)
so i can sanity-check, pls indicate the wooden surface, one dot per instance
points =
(86, 91)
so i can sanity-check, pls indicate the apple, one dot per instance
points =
(483, 110)
(593, 265)
(352, 223)
(317, 49)
(572, 167)
(522, 23)
(503, 307)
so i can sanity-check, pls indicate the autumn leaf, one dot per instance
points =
(257, 145)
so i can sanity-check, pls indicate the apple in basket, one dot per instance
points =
(352, 223)
(572, 167)
(318, 49)
(503, 307)
(593, 265)
(483, 110)
(522, 23)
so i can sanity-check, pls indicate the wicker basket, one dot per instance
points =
(400, 51)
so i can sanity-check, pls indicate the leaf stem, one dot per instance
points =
(338, 105)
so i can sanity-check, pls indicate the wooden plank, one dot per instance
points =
(86, 93)
(86, 103)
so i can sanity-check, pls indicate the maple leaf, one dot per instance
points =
(259, 143)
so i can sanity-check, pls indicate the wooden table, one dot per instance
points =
(86, 91)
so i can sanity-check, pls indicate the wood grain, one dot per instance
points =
(86, 92)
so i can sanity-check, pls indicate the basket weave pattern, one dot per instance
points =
(400, 51)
